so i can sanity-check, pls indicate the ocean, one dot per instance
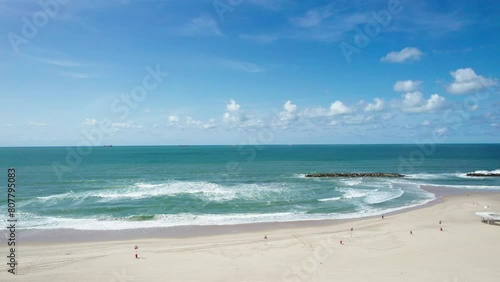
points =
(115, 188)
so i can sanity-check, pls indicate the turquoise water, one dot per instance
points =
(139, 187)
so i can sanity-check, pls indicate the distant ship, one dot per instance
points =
(107, 145)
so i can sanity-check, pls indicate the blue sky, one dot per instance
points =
(249, 71)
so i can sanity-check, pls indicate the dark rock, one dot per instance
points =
(360, 174)
(475, 174)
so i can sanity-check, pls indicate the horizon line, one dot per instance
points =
(281, 144)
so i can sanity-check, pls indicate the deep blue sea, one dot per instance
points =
(112, 188)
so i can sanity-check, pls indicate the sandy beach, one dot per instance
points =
(376, 250)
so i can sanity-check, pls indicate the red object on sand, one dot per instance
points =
(441, 228)
(341, 242)
(136, 256)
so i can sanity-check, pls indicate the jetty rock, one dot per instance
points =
(356, 174)
(478, 174)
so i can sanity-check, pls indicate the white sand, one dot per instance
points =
(379, 250)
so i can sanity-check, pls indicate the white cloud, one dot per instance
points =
(191, 121)
(313, 17)
(90, 122)
(388, 116)
(379, 105)
(242, 66)
(173, 119)
(262, 39)
(203, 26)
(442, 130)
(289, 107)
(474, 108)
(289, 111)
(232, 106)
(77, 75)
(121, 125)
(55, 62)
(232, 114)
(338, 108)
(466, 80)
(426, 123)
(210, 124)
(315, 112)
(407, 54)
(33, 123)
(407, 85)
(357, 119)
(414, 102)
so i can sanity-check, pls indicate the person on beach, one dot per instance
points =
(382, 216)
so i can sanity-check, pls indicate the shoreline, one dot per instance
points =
(423, 244)
(197, 231)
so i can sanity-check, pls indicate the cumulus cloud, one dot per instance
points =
(407, 54)
(233, 113)
(378, 105)
(442, 130)
(466, 81)
(173, 119)
(426, 123)
(209, 125)
(232, 106)
(33, 123)
(407, 85)
(414, 102)
(289, 111)
(289, 107)
(338, 108)
(191, 121)
(90, 122)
